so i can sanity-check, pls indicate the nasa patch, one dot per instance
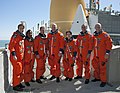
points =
(14, 35)
(28, 47)
(41, 42)
(106, 35)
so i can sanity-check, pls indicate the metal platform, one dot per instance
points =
(48, 86)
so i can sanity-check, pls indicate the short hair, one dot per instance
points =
(69, 32)
(28, 31)
(99, 24)
(85, 24)
(42, 27)
(20, 25)
(54, 24)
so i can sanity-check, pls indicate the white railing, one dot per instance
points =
(5, 72)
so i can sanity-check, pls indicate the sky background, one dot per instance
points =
(31, 11)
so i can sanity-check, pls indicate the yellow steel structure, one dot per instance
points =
(62, 12)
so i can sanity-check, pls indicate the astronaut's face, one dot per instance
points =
(97, 28)
(42, 30)
(54, 27)
(84, 28)
(29, 34)
(68, 35)
(21, 29)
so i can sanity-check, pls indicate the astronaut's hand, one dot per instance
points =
(88, 56)
(86, 63)
(37, 56)
(14, 57)
(60, 54)
(106, 55)
(103, 63)
(72, 65)
(74, 58)
(47, 53)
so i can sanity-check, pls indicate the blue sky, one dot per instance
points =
(31, 11)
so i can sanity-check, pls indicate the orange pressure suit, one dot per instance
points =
(16, 47)
(68, 59)
(40, 48)
(29, 59)
(56, 44)
(84, 44)
(103, 45)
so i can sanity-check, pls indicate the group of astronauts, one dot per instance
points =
(24, 50)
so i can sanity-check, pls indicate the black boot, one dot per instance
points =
(21, 86)
(53, 77)
(94, 80)
(32, 80)
(38, 81)
(70, 79)
(27, 83)
(78, 77)
(66, 78)
(57, 80)
(102, 84)
(86, 81)
(42, 77)
(17, 88)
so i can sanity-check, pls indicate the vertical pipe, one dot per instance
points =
(98, 5)
(90, 4)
